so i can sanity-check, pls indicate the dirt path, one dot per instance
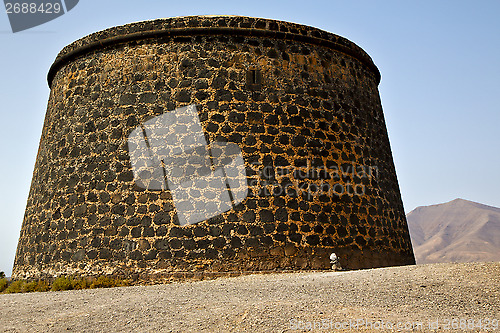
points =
(292, 302)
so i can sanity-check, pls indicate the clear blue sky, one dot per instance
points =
(440, 87)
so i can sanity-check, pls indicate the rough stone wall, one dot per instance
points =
(298, 101)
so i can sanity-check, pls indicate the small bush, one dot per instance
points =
(29, 287)
(36, 286)
(79, 284)
(106, 282)
(15, 287)
(3, 284)
(42, 286)
(61, 283)
(2, 275)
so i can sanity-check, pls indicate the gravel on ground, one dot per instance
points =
(421, 298)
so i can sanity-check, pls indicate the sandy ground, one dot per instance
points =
(448, 295)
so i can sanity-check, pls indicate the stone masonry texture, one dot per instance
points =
(301, 103)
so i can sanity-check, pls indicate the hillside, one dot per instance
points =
(456, 231)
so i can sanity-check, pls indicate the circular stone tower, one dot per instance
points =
(211, 144)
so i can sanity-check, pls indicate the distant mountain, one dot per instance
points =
(456, 231)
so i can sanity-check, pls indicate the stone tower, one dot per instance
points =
(291, 110)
